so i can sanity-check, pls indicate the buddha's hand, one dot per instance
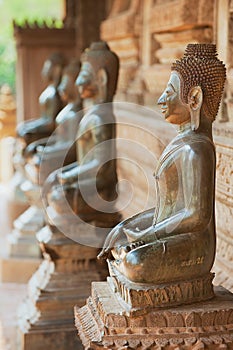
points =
(120, 251)
(63, 178)
(116, 238)
(68, 174)
(37, 147)
(136, 235)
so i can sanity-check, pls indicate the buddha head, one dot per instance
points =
(53, 67)
(99, 72)
(67, 89)
(195, 87)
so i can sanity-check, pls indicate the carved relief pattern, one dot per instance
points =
(187, 13)
(105, 323)
(224, 212)
(172, 294)
(121, 30)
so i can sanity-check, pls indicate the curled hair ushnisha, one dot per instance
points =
(201, 67)
(57, 58)
(73, 68)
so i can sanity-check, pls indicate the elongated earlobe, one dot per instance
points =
(102, 82)
(195, 99)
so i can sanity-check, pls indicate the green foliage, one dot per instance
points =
(31, 10)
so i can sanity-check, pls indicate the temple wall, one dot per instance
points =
(148, 37)
(223, 133)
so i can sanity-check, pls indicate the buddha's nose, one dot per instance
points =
(162, 99)
(61, 88)
(83, 79)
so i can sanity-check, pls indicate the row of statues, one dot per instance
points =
(76, 165)
(67, 146)
(154, 246)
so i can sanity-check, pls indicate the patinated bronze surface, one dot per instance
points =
(41, 158)
(176, 239)
(96, 165)
(49, 101)
(46, 155)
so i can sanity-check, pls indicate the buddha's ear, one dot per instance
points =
(57, 70)
(195, 99)
(102, 82)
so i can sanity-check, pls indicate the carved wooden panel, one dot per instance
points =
(181, 14)
(34, 44)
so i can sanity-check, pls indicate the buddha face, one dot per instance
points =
(47, 70)
(174, 110)
(67, 88)
(87, 81)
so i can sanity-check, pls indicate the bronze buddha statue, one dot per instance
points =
(48, 154)
(88, 185)
(176, 240)
(49, 101)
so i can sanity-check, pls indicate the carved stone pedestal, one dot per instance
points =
(22, 240)
(63, 279)
(24, 254)
(107, 321)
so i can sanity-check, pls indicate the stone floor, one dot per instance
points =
(10, 293)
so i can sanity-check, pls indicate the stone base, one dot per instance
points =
(31, 221)
(107, 322)
(63, 337)
(23, 246)
(14, 208)
(142, 295)
(17, 270)
(22, 240)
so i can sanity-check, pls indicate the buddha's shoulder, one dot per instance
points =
(186, 144)
(192, 140)
(49, 93)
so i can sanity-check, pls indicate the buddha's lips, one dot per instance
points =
(164, 109)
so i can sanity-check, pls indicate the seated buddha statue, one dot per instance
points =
(49, 101)
(31, 130)
(86, 186)
(176, 240)
(47, 154)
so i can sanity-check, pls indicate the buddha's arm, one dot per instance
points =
(33, 126)
(89, 172)
(71, 174)
(118, 235)
(51, 107)
(53, 180)
(54, 149)
(33, 146)
(67, 173)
